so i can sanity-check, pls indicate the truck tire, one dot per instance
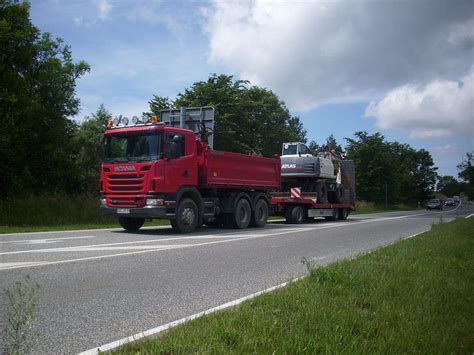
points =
(131, 224)
(322, 192)
(187, 216)
(343, 213)
(260, 214)
(241, 217)
(294, 215)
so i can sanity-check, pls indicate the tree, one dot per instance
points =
(449, 186)
(37, 95)
(247, 118)
(466, 173)
(158, 104)
(88, 149)
(373, 167)
(331, 143)
(398, 170)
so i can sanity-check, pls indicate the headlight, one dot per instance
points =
(103, 202)
(155, 202)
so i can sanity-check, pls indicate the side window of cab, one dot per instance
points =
(175, 145)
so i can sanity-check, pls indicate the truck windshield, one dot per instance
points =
(133, 147)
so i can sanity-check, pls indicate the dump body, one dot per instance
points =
(239, 171)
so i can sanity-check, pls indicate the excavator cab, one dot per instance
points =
(295, 148)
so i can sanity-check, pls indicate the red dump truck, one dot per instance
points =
(168, 169)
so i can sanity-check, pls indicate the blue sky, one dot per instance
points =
(404, 69)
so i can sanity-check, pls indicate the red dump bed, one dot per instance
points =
(233, 170)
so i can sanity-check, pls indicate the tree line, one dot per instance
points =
(43, 150)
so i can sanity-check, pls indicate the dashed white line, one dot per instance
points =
(45, 241)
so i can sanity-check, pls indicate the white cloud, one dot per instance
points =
(104, 8)
(439, 109)
(317, 52)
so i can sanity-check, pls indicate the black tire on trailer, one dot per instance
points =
(343, 213)
(187, 216)
(241, 217)
(339, 194)
(131, 224)
(334, 216)
(322, 192)
(295, 215)
(260, 214)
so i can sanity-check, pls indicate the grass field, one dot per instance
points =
(415, 296)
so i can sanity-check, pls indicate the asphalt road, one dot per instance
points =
(98, 286)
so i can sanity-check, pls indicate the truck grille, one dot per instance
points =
(126, 182)
(125, 201)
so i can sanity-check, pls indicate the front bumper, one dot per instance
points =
(143, 212)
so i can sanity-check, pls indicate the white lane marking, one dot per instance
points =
(230, 235)
(114, 245)
(153, 331)
(471, 215)
(118, 229)
(19, 264)
(111, 248)
(45, 241)
(296, 230)
(161, 328)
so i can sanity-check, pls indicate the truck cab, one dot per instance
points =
(143, 168)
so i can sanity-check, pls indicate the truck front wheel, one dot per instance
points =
(260, 214)
(187, 216)
(131, 224)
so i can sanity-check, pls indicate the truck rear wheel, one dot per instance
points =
(187, 216)
(131, 224)
(260, 214)
(294, 215)
(241, 217)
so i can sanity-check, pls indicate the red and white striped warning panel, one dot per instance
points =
(295, 192)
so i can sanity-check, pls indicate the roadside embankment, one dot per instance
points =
(414, 296)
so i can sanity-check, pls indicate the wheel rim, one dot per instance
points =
(188, 216)
(299, 215)
(242, 215)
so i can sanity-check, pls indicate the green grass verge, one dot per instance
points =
(415, 296)
(364, 207)
(55, 213)
(62, 212)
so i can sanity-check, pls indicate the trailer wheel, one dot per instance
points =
(342, 215)
(131, 224)
(294, 215)
(187, 216)
(241, 217)
(260, 214)
(339, 194)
